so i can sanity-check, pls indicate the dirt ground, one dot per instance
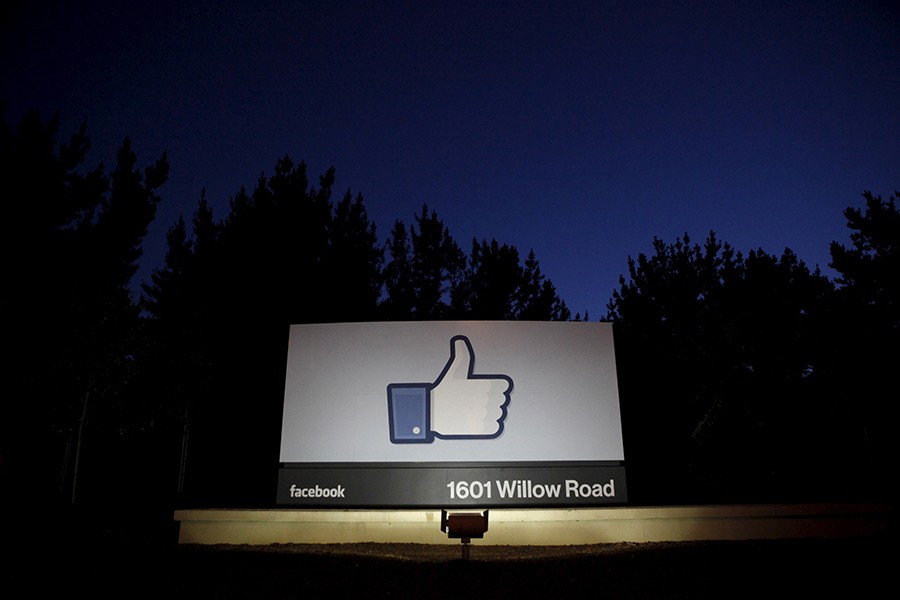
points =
(854, 568)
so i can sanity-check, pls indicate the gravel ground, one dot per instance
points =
(104, 568)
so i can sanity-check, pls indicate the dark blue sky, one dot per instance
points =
(578, 129)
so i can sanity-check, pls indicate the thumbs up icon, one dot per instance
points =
(458, 405)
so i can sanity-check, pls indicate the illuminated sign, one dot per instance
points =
(442, 413)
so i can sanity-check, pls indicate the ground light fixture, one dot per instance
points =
(464, 527)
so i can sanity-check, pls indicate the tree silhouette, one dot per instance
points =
(222, 306)
(424, 265)
(400, 301)
(427, 276)
(537, 298)
(718, 362)
(742, 377)
(72, 325)
(870, 269)
(497, 286)
(490, 284)
(354, 254)
(866, 344)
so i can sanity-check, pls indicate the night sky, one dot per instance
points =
(578, 129)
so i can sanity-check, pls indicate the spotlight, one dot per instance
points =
(464, 526)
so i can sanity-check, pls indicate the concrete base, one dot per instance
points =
(537, 526)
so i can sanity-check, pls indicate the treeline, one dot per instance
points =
(742, 378)
(754, 378)
(178, 392)
(220, 308)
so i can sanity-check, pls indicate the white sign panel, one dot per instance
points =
(451, 392)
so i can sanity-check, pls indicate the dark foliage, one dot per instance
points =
(71, 245)
(221, 306)
(742, 378)
(429, 277)
(865, 348)
(220, 311)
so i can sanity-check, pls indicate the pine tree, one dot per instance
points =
(72, 322)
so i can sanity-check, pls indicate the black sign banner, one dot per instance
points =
(435, 485)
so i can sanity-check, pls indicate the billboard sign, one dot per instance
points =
(446, 413)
